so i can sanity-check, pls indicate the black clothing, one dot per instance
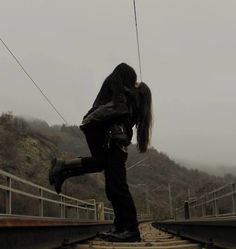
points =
(112, 161)
(105, 94)
(122, 77)
(124, 236)
(123, 113)
(108, 130)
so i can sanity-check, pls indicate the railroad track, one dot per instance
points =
(216, 232)
(152, 238)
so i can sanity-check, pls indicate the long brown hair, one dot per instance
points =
(144, 122)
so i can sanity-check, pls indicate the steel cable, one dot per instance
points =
(137, 38)
(35, 84)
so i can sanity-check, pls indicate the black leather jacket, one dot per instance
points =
(117, 120)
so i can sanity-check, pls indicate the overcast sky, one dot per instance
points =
(188, 52)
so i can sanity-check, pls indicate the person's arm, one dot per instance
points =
(106, 112)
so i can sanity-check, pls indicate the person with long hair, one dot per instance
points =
(120, 104)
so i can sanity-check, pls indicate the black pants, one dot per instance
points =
(112, 161)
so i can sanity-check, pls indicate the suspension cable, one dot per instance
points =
(35, 84)
(137, 37)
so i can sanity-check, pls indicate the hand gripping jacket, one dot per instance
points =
(118, 120)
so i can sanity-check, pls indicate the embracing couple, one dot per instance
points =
(121, 104)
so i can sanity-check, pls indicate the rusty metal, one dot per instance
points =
(218, 232)
(41, 233)
(151, 239)
(12, 222)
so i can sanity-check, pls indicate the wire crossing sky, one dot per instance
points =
(138, 45)
(36, 85)
(188, 59)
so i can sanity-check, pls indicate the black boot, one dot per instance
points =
(61, 170)
(125, 236)
(113, 230)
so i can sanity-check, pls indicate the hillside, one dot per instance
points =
(26, 148)
(218, 170)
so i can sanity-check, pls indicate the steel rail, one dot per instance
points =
(41, 233)
(36, 233)
(212, 232)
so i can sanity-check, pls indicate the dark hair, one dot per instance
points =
(126, 74)
(144, 122)
(122, 76)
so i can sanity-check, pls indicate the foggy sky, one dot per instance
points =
(188, 52)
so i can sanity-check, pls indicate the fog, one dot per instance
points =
(188, 56)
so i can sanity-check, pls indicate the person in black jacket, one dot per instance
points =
(120, 104)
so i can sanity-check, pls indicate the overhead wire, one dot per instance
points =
(137, 163)
(42, 92)
(35, 84)
(137, 39)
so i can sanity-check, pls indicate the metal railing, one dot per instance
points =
(108, 213)
(144, 216)
(21, 197)
(220, 202)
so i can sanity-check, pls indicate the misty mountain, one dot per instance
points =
(218, 170)
(26, 148)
